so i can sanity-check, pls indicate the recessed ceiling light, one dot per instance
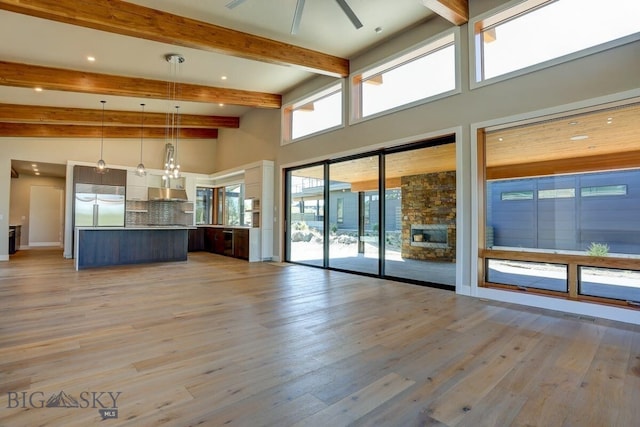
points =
(37, 173)
(35, 169)
(223, 78)
(220, 105)
(37, 89)
(573, 123)
(500, 139)
(579, 137)
(91, 58)
(33, 165)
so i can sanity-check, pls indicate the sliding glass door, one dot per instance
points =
(353, 218)
(391, 213)
(305, 215)
(420, 230)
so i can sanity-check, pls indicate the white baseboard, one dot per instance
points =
(45, 244)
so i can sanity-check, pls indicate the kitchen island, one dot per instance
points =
(107, 246)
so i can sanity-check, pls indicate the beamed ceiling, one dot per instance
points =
(236, 59)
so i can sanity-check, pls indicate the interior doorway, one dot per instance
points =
(46, 216)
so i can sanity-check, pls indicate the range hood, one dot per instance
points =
(167, 194)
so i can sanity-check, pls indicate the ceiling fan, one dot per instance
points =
(297, 17)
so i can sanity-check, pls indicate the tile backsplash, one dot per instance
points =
(155, 212)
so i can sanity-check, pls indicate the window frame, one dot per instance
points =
(516, 196)
(501, 14)
(574, 260)
(395, 61)
(321, 93)
(208, 204)
(587, 194)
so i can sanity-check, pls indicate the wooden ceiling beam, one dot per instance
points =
(30, 130)
(454, 11)
(48, 78)
(121, 17)
(13, 113)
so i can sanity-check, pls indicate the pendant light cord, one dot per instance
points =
(102, 135)
(141, 132)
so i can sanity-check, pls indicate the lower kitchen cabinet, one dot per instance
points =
(243, 243)
(196, 239)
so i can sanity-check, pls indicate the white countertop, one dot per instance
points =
(141, 227)
(242, 227)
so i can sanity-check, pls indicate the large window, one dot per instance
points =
(416, 76)
(561, 202)
(398, 222)
(220, 205)
(536, 31)
(319, 112)
(204, 205)
(234, 205)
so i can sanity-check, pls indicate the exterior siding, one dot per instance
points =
(568, 223)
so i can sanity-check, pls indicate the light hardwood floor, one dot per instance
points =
(219, 341)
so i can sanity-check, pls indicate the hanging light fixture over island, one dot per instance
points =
(101, 166)
(140, 170)
(172, 134)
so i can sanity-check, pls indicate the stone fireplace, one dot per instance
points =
(429, 216)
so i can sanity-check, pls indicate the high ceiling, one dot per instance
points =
(235, 58)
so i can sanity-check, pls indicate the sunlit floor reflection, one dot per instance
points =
(345, 257)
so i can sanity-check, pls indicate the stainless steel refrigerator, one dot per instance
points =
(99, 205)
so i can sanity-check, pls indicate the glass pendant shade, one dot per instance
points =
(140, 170)
(101, 166)
(172, 136)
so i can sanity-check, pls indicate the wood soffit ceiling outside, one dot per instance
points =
(585, 142)
(106, 20)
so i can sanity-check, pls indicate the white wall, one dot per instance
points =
(608, 75)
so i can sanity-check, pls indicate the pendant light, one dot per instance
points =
(172, 125)
(176, 171)
(101, 165)
(140, 170)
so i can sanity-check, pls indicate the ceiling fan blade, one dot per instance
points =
(297, 17)
(350, 14)
(234, 3)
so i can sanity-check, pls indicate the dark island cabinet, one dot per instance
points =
(102, 247)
